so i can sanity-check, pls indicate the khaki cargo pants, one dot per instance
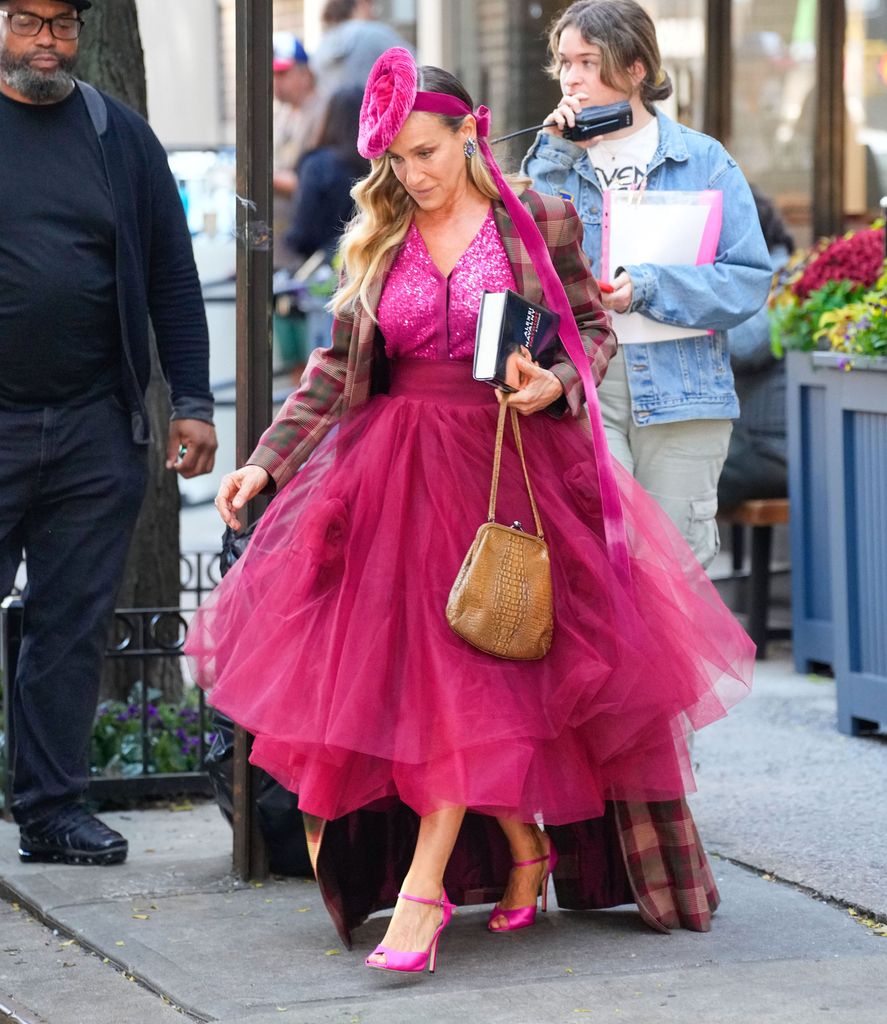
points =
(677, 463)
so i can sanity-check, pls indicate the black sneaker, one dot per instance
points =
(71, 836)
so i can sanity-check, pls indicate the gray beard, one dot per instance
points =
(37, 86)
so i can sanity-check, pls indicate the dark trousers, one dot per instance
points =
(71, 484)
(754, 469)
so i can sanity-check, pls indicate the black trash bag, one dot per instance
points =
(277, 808)
(233, 546)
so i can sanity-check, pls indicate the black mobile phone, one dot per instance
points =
(594, 121)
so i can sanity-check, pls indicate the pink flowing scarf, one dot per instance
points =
(556, 297)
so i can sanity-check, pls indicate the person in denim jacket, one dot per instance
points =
(667, 406)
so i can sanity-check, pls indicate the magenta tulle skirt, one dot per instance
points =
(328, 639)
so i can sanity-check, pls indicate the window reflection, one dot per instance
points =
(400, 15)
(774, 74)
(680, 29)
(865, 83)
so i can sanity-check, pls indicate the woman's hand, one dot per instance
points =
(564, 115)
(619, 299)
(538, 388)
(236, 489)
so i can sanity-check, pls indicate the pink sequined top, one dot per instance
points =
(424, 315)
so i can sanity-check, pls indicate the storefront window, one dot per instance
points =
(400, 15)
(774, 75)
(865, 84)
(680, 29)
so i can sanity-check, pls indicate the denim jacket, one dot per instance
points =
(688, 378)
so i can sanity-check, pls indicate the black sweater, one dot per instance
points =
(156, 274)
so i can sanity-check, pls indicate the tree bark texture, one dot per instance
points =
(111, 58)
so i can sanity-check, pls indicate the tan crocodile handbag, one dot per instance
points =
(501, 600)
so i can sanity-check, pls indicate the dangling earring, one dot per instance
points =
(470, 148)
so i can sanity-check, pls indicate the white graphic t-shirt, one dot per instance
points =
(622, 163)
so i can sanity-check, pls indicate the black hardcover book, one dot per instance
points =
(506, 324)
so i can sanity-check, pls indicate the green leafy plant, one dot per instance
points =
(172, 735)
(859, 327)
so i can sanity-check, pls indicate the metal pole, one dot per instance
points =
(254, 271)
(828, 126)
(717, 115)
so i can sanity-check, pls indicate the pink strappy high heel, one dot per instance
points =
(395, 960)
(523, 917)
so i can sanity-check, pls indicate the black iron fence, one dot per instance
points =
(200, 571)
(148, 744)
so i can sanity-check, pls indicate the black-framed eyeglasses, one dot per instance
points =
(62, 26)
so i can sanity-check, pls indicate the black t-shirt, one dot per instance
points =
(59, 321)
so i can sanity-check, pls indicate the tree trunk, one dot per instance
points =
(111, 58)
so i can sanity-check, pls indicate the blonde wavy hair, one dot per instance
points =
(385, 209)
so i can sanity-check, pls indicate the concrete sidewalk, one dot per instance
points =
(780, 790)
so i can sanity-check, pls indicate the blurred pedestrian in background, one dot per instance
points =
(351, 42)
(297, 109)
(667, 405)
(323, 203)
(756, 465)
(321, 208)
(93, 242)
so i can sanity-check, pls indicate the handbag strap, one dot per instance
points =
(497, 463)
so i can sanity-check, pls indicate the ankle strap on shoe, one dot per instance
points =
(527, 863)
(442, 902)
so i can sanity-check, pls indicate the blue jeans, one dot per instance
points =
(71, 485)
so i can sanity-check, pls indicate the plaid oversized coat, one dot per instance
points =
(340, 378)
(646, 853)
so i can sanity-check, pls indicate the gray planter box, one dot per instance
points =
(837, 427)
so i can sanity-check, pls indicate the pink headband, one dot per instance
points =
(391, 95)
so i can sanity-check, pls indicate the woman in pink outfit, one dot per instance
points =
(420, 761)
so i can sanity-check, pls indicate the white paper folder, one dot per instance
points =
(670, 228)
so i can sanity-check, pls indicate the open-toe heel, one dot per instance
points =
(395, 960)
(523, 917)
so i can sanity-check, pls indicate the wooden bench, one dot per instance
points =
(760, 515)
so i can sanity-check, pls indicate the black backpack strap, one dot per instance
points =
(95, 105)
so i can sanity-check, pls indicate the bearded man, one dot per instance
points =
(93, 244)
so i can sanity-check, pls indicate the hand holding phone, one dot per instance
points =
(582, 125)
(594, 121)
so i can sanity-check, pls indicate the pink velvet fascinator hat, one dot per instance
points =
(387, 102)
(392, 94)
